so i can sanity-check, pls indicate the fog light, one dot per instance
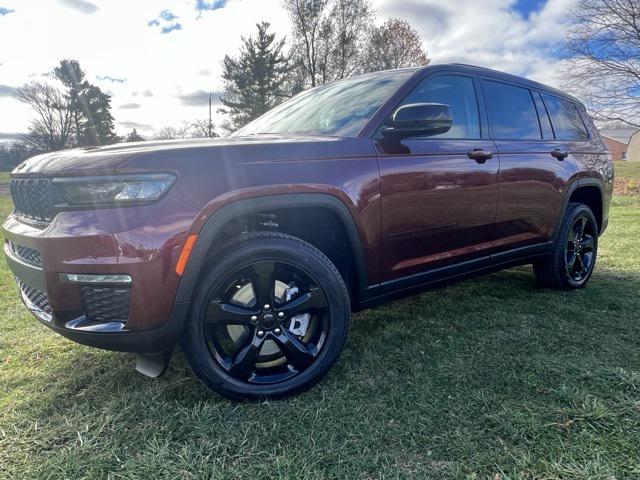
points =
(94, 278)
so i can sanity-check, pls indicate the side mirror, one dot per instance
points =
(419, 120)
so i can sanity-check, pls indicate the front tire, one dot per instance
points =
(571, 263)
(270, 317)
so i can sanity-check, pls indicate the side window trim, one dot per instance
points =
(481, 122)
(485, 79)
(538, 101)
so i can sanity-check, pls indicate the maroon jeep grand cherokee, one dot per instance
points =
(253, 250)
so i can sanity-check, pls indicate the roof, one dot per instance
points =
(611, 139)
(620, 134)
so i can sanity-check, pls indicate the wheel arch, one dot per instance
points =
(226, 214)
(588, 191)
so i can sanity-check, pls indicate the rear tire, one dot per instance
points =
(573, 258)
(270, 317)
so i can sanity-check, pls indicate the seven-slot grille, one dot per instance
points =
(32, 198)
(105, 304)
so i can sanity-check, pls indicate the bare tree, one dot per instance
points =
(53, 126)
(395, 44)
(171, 133)
(200, 129)
(604, 65)
(328, 37)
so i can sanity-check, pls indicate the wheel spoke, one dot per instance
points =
(579, 265)
(587, 243)
(228, 314)
(571, 262)
(581, 224)
(312, 300)
(244, 362)
(299, 354)
(263, 283)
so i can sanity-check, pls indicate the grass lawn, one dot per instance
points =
(490, 378)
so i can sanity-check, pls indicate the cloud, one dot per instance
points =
(205, 72)
(5, 11)
(171, 28)
(209, 5)
(111, 79)
(141, 126)
(147, 93)
(10, 135)
(129, 106)
(165, 21)
(199, 98)
(81, 6)
(7, 91)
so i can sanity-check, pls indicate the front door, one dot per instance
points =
(439, 193)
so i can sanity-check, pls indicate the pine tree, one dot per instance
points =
(90, 107)
(134, 137)
(255, 81)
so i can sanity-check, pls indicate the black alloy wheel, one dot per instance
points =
(270, 317)
(572, 260)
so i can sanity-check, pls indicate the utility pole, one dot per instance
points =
(210, 125)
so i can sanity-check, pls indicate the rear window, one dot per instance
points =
(512, 112)
(565, 118)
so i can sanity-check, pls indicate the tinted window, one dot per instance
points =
(460, 95)
(512, 113)
(566, 120)
(341, 108)
(545, 124)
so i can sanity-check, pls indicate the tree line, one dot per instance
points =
(331, 40)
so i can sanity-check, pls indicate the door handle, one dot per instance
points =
(479, 155)
(560, 154)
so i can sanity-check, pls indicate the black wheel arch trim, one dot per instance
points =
(571, 188)
(220, 218)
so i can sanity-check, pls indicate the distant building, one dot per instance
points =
(619, 141)
(633, 149)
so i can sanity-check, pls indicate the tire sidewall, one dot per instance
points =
(283, 249)
(576, 211)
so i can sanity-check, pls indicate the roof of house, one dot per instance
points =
(620, 134)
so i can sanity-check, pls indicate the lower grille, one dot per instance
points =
(105, 304)
(25, 253)
(37, 297)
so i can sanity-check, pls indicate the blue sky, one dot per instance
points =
(160, 58)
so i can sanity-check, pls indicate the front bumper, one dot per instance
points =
(95, 315)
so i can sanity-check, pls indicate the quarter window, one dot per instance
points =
(457, 92)
(512, 112)
(565, 118)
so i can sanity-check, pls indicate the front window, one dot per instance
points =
(339, 109)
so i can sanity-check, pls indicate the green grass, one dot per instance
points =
(490, 378)
(629, 170)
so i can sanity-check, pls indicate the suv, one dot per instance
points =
(253, 250)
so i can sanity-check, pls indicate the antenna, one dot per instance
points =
(210, 125)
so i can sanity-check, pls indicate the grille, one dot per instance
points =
(105, 304)
(32, 198)
(36, 297)
(25, 253)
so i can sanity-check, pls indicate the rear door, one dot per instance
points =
(534, 165)
(438, 202)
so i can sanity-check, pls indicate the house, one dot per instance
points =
(619, 141)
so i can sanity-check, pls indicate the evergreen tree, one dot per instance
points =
(255, 81)
(90, 107)
(134, 137)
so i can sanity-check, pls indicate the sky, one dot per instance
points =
(159, 59)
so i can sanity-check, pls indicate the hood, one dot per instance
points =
(106, 160)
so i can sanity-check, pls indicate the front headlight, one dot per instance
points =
(118, 190)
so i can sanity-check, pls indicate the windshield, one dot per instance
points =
(339, 109)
